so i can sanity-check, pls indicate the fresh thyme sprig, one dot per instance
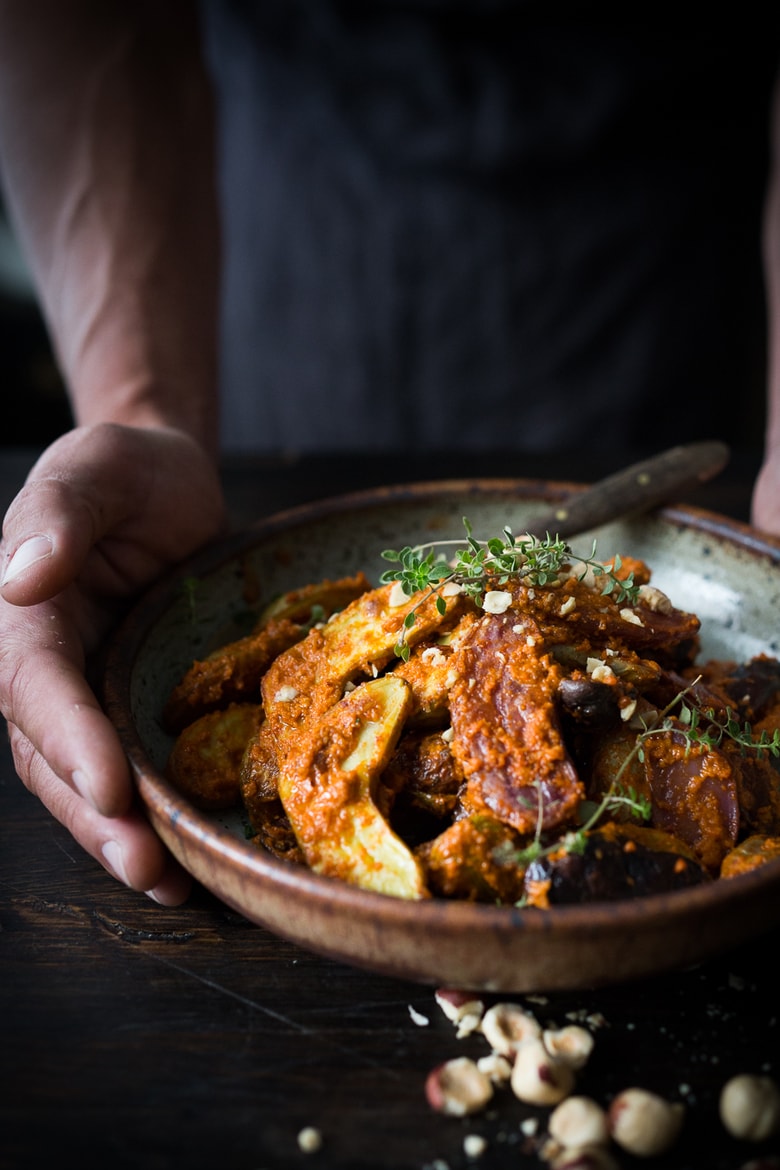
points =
(700, 727)
(497, 561)
(591, 813)
(712, 732)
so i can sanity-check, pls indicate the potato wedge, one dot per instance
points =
(311, 676)
(205, 761)
(297, 605)
(327, 787)
(231, 674)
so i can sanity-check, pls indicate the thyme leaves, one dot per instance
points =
(700, 727)
(476, 566)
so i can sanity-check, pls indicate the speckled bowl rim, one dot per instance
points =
(751, 902)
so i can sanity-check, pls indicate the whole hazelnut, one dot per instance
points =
(579, 1121)
(750, 1107)
(506, 1026)
(538, 1078)
(643, 1123)
(458, 1087)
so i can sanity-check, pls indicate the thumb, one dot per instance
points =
(47, 535)
(765, 511)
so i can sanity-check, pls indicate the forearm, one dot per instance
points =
(106, 134)
(771, 248)
(766, 496)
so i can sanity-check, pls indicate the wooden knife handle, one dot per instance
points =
(638, 488)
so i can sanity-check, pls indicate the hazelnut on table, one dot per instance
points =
(750, 1107)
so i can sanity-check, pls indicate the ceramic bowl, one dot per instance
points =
(724, 571)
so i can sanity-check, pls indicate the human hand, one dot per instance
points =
(766, 495)
(104, 511)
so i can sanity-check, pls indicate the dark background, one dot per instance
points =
(35, 407)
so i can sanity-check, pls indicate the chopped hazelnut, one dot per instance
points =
(286, 694)
(309, 1140)
(654, 599)
(458, 1004)
(397, 595)
(468, 1023)
(474, 1145)
(457, 1087)
(496, 601)
(629, 615)
(750, 1107)
(496, 1067)
(643, 1123)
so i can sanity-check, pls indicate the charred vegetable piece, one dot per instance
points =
(589, 705)
(694, 794)
(750, 854)
(758, 791)
(474, 859)
(506, 730)
(631, 671)
(423, 781)
(580, 612)
(423, 770)
(231, 674)
(753, 688)
(618, 862)
(328, 783)
(259, 772)
(614, 754)
(275, 833)
(205, 762)
(702, 693)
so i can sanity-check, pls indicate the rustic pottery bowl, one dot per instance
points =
(724, 571)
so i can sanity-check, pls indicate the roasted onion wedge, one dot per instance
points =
(505, 725)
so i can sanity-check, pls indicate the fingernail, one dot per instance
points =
(34, 549)
(82, 786)
(116, 862)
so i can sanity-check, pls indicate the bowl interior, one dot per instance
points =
(721, 570)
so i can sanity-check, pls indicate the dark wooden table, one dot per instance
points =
(137, 1036)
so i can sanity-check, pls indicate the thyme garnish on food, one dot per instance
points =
(716, 730)
(591, 813)
(494, 562)
(699, 726)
